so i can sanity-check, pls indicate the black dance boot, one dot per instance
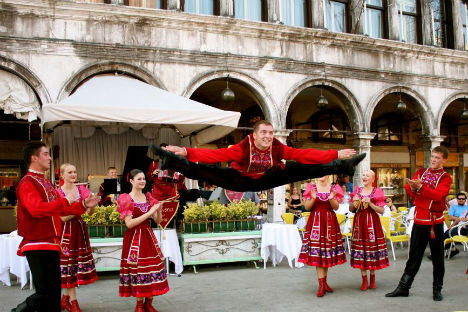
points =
(22, 307)
(437, 293)
(437, 290)
(403, 287)
(169, 160)
(347, 166)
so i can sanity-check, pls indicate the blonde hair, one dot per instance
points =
(63, 167)
(371, 171)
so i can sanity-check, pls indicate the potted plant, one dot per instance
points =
(219, 217)
(242, 210)
(195, 218)
(96, 222)
(117, 224)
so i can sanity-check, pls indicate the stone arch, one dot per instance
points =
(106, 67)
(28, 76)
(353, 111)
(266, 103)
(422, 108)
(454, 96)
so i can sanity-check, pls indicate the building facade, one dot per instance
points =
(392, 75)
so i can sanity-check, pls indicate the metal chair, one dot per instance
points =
(288, 217)
(385, 221)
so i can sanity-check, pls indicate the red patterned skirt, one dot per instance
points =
(368, 245)
(76, 261)
(322, 245)
(142, 272)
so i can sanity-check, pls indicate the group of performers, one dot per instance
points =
(60, 255)
(322, 245)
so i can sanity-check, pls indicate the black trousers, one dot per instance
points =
(45, 269)
(231, 179)
(420, 236)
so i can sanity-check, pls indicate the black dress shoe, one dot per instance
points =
(22, 307)
(399, 292)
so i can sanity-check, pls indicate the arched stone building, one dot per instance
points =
(277, 64)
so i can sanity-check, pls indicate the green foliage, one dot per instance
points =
(243, 209)
(191, 212)
(216, 211)
(103, 216)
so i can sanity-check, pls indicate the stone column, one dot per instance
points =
(412, 153)
(429, 143)
(458, 42)
(426, 23)
(278, 205)
(461, 169)
(393, 21)
(173, 5)
(361, 143)
(273, 11)
(356, 11)
(317, 14)
(226, 8)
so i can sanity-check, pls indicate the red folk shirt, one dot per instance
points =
(38, 213)
(430, 198)
(253, 162)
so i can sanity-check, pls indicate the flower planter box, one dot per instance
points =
(98, 231)
(245, 225)
(196, 227)
(118, 230)
(224, 226)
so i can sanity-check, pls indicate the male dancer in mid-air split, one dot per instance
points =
(256, 162)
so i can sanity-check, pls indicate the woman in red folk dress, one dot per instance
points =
(322, 245)
(142, 273)
(76, 261)
(368, 245)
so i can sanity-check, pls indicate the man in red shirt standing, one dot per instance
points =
(428, 188)
(256, 162)
(38, 218)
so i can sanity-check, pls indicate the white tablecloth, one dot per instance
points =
(169, 244)
(280, 240)
(10, 262)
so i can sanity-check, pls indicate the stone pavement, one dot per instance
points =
(241, 287)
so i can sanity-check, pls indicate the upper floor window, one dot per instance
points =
(440, 23)
(155, 4)
(332, 126)
(388, 129)
(464, 14)
(336, 15)
(374, 18)
(248, 9)
(292, 12)
(198, 6)
(408, 16)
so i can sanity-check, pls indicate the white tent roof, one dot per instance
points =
(106, 100)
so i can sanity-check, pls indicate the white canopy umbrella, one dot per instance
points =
(107, 100)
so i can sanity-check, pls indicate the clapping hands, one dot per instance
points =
(91, 201)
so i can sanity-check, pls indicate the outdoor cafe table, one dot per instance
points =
(10, 262)
(279, 241)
